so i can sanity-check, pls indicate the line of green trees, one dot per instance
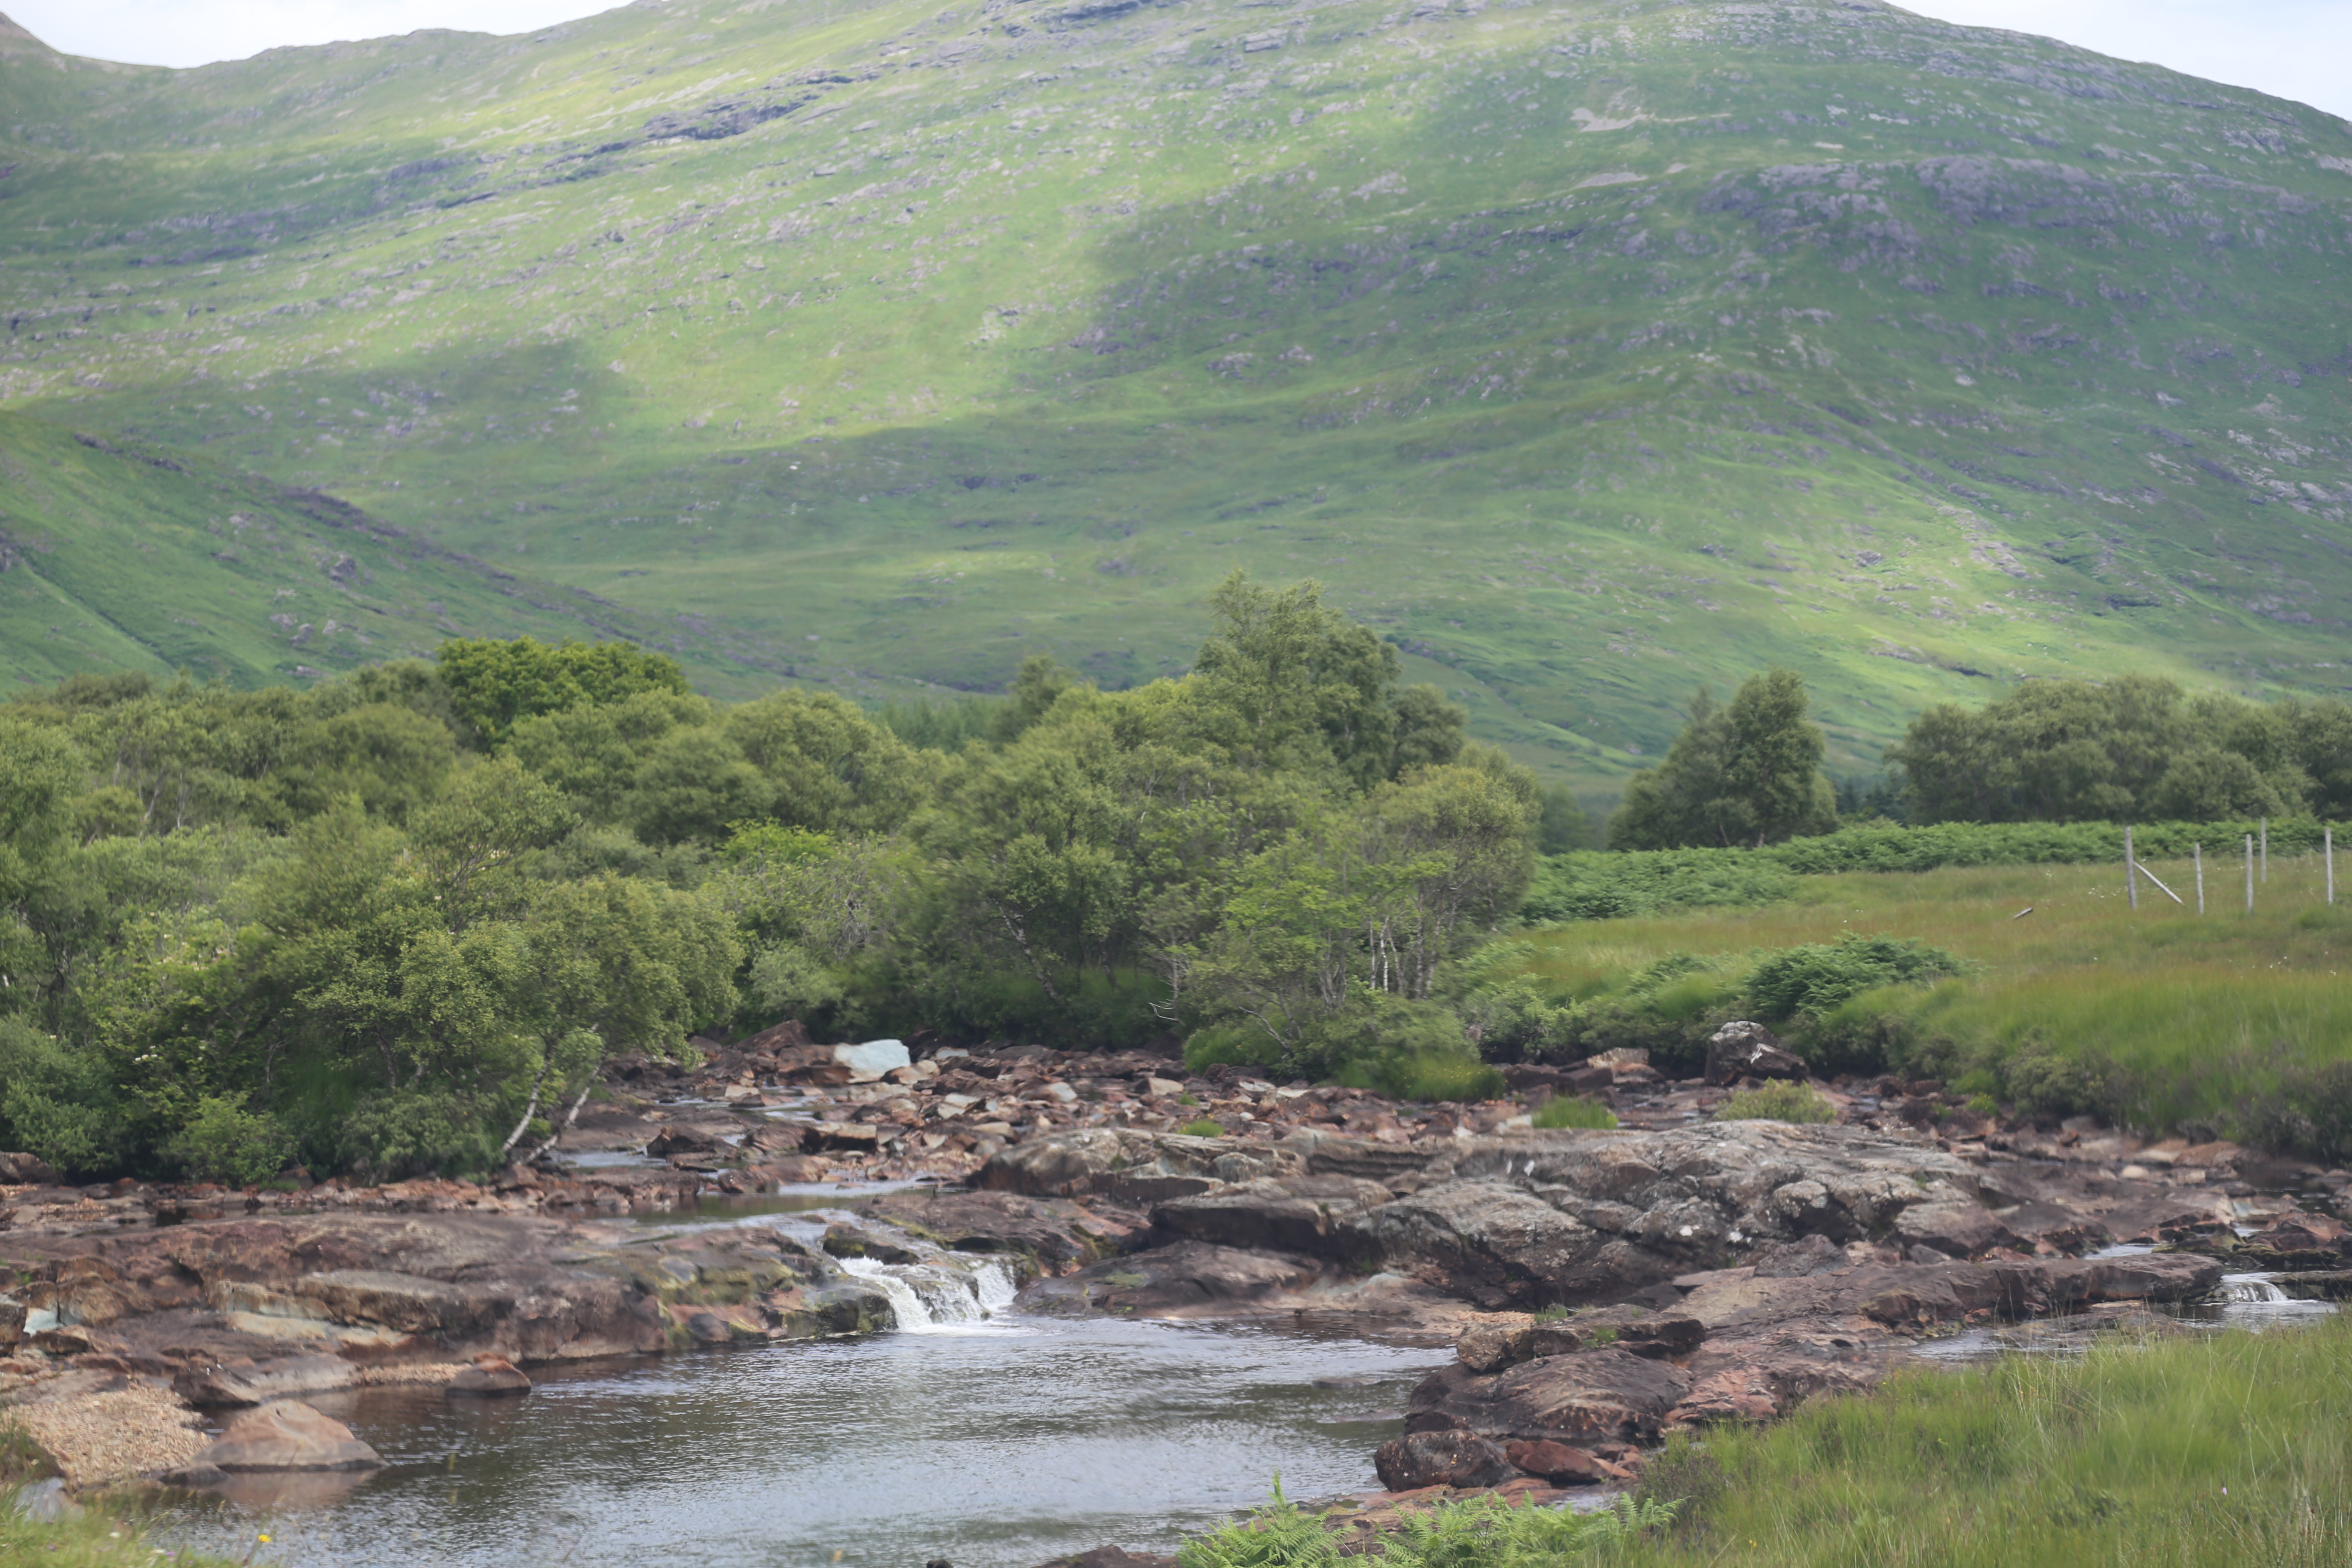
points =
(395, 922)
(2133, 749)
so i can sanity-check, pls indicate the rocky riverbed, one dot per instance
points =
(1600, 1288)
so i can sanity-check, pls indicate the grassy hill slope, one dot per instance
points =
(119, 554)
(1588, 351)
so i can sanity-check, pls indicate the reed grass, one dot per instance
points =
(2182, 1018)
(2206, 1449)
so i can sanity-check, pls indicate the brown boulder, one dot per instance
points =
(1452, 1458)
(26, 1170)
(2039, 1223)
(2304, 1234)
(792, 1034)
(1126, 1166)
(288, 1435)
(406, 1302)
(258, 1382)
(1747, 1049)
(672, 1140)
(490, 1376)
(1491, 1347)
(775, 1138)
(1561, 1464)
(1191, 1278)
(1954, 1225)
(1499, 1246)
(1286, 1214)
(1053, 1232)
(849, 1241)
(1607, 1395)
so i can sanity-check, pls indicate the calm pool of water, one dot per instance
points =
(994, 1443)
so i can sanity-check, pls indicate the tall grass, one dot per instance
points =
(2192, 1452)
(2228, 1021)
(2227, 1449)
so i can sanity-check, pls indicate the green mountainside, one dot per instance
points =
(118, 554)
(1588, 351)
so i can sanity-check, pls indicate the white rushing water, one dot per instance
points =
(940, 1293)
(2258, 1289)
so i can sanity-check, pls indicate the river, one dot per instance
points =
(980, 1436)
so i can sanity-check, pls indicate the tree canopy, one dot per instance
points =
(397, 922)
(1749, 774)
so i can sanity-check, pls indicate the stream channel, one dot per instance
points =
(987, 1438)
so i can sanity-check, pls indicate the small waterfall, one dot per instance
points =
(905, 1305)
(2253, 1289)
(992, 1282)
(940, 1293)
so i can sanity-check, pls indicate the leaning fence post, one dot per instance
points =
(2131, 879)
(2200, 878)
(2250, 873)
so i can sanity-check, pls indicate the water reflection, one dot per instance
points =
(996, 1446)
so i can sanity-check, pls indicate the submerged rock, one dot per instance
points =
(490, 1376)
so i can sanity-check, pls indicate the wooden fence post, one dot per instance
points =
(2265, 823)
(2131, 875)
(2200, 878)
(2328, 853)
(2250, 873)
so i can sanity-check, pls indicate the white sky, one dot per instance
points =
(2296, 49)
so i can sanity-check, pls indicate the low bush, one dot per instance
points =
(1205, 1128)
(1477, 1532)
(1812, 978)
(225, 1142)
(1593, 885)
(1571, 1110)
(1777, 1102)
(1452, 1077)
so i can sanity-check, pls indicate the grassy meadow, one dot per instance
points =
(2166, 1017)
(2220, 1450)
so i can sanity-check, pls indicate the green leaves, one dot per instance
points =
(2132, 748)
(1749, 774)
(493, 684)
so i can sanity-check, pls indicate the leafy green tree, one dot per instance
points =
(1037, 686)
(1025, 851)
(618, 967)
(1297, 685)
(1749, 774)
(492, 684)
(389, 757)
(1429, 730)
(2080, 750)
(1564, 825)
(2206, 784)
(831, 768)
